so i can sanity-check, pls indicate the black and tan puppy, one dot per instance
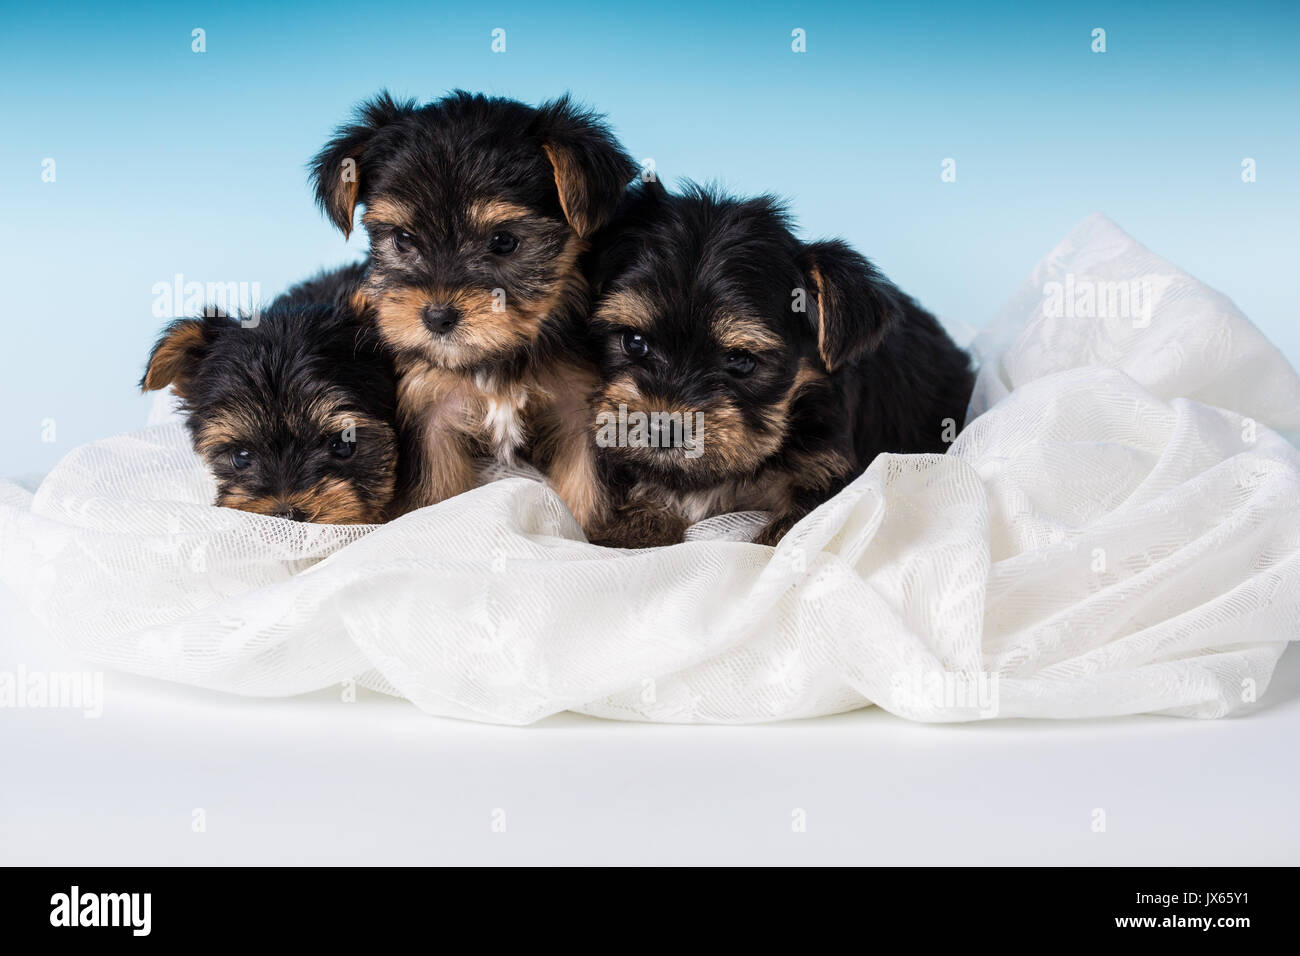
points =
(785, 366)
(479, 211)
(293, 409)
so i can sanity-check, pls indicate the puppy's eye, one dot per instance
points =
(340, 447)
(635, 344)
(739, 363)
(403, 241)
(502, 243)
(239, 460)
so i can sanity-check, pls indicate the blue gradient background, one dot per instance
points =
(170, 161)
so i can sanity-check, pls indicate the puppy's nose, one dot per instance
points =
(291, 513)
(441, 319)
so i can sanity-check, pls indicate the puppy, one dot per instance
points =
(479, 211)
(796, 363)
(293, 409)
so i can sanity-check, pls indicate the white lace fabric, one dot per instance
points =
(1116, 531)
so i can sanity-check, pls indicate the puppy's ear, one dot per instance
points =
(179, 351)
(619, 246)
(855, 306)
(338, 171)
(591, 168)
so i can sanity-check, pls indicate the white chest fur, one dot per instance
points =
(503, 416)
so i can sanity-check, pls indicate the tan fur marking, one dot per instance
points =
(388, 211)
(340, 420)
(726, 438)
(621, 390)
(334, 501)
(730, 444)
(167, 364)
(729, 438)
(483, 331)
(808, 374)
(626, 308)
(329, 501)
(572, 187)
(825, 304)
(440, 409)
(359, 300)
(490, 212)
(745, 335)
(564, 446)
(225, 427)
(344, 200)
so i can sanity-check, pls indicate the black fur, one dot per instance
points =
(880, 373)
(267, 385)
(440, 158)
(332, 287)
(479, 212)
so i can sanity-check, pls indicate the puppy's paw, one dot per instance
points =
(634, 526)
(772, 532)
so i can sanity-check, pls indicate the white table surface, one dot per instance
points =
(315, 780)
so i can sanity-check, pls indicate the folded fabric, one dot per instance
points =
(1115, 531)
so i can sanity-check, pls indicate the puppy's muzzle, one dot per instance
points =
(441, 319)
